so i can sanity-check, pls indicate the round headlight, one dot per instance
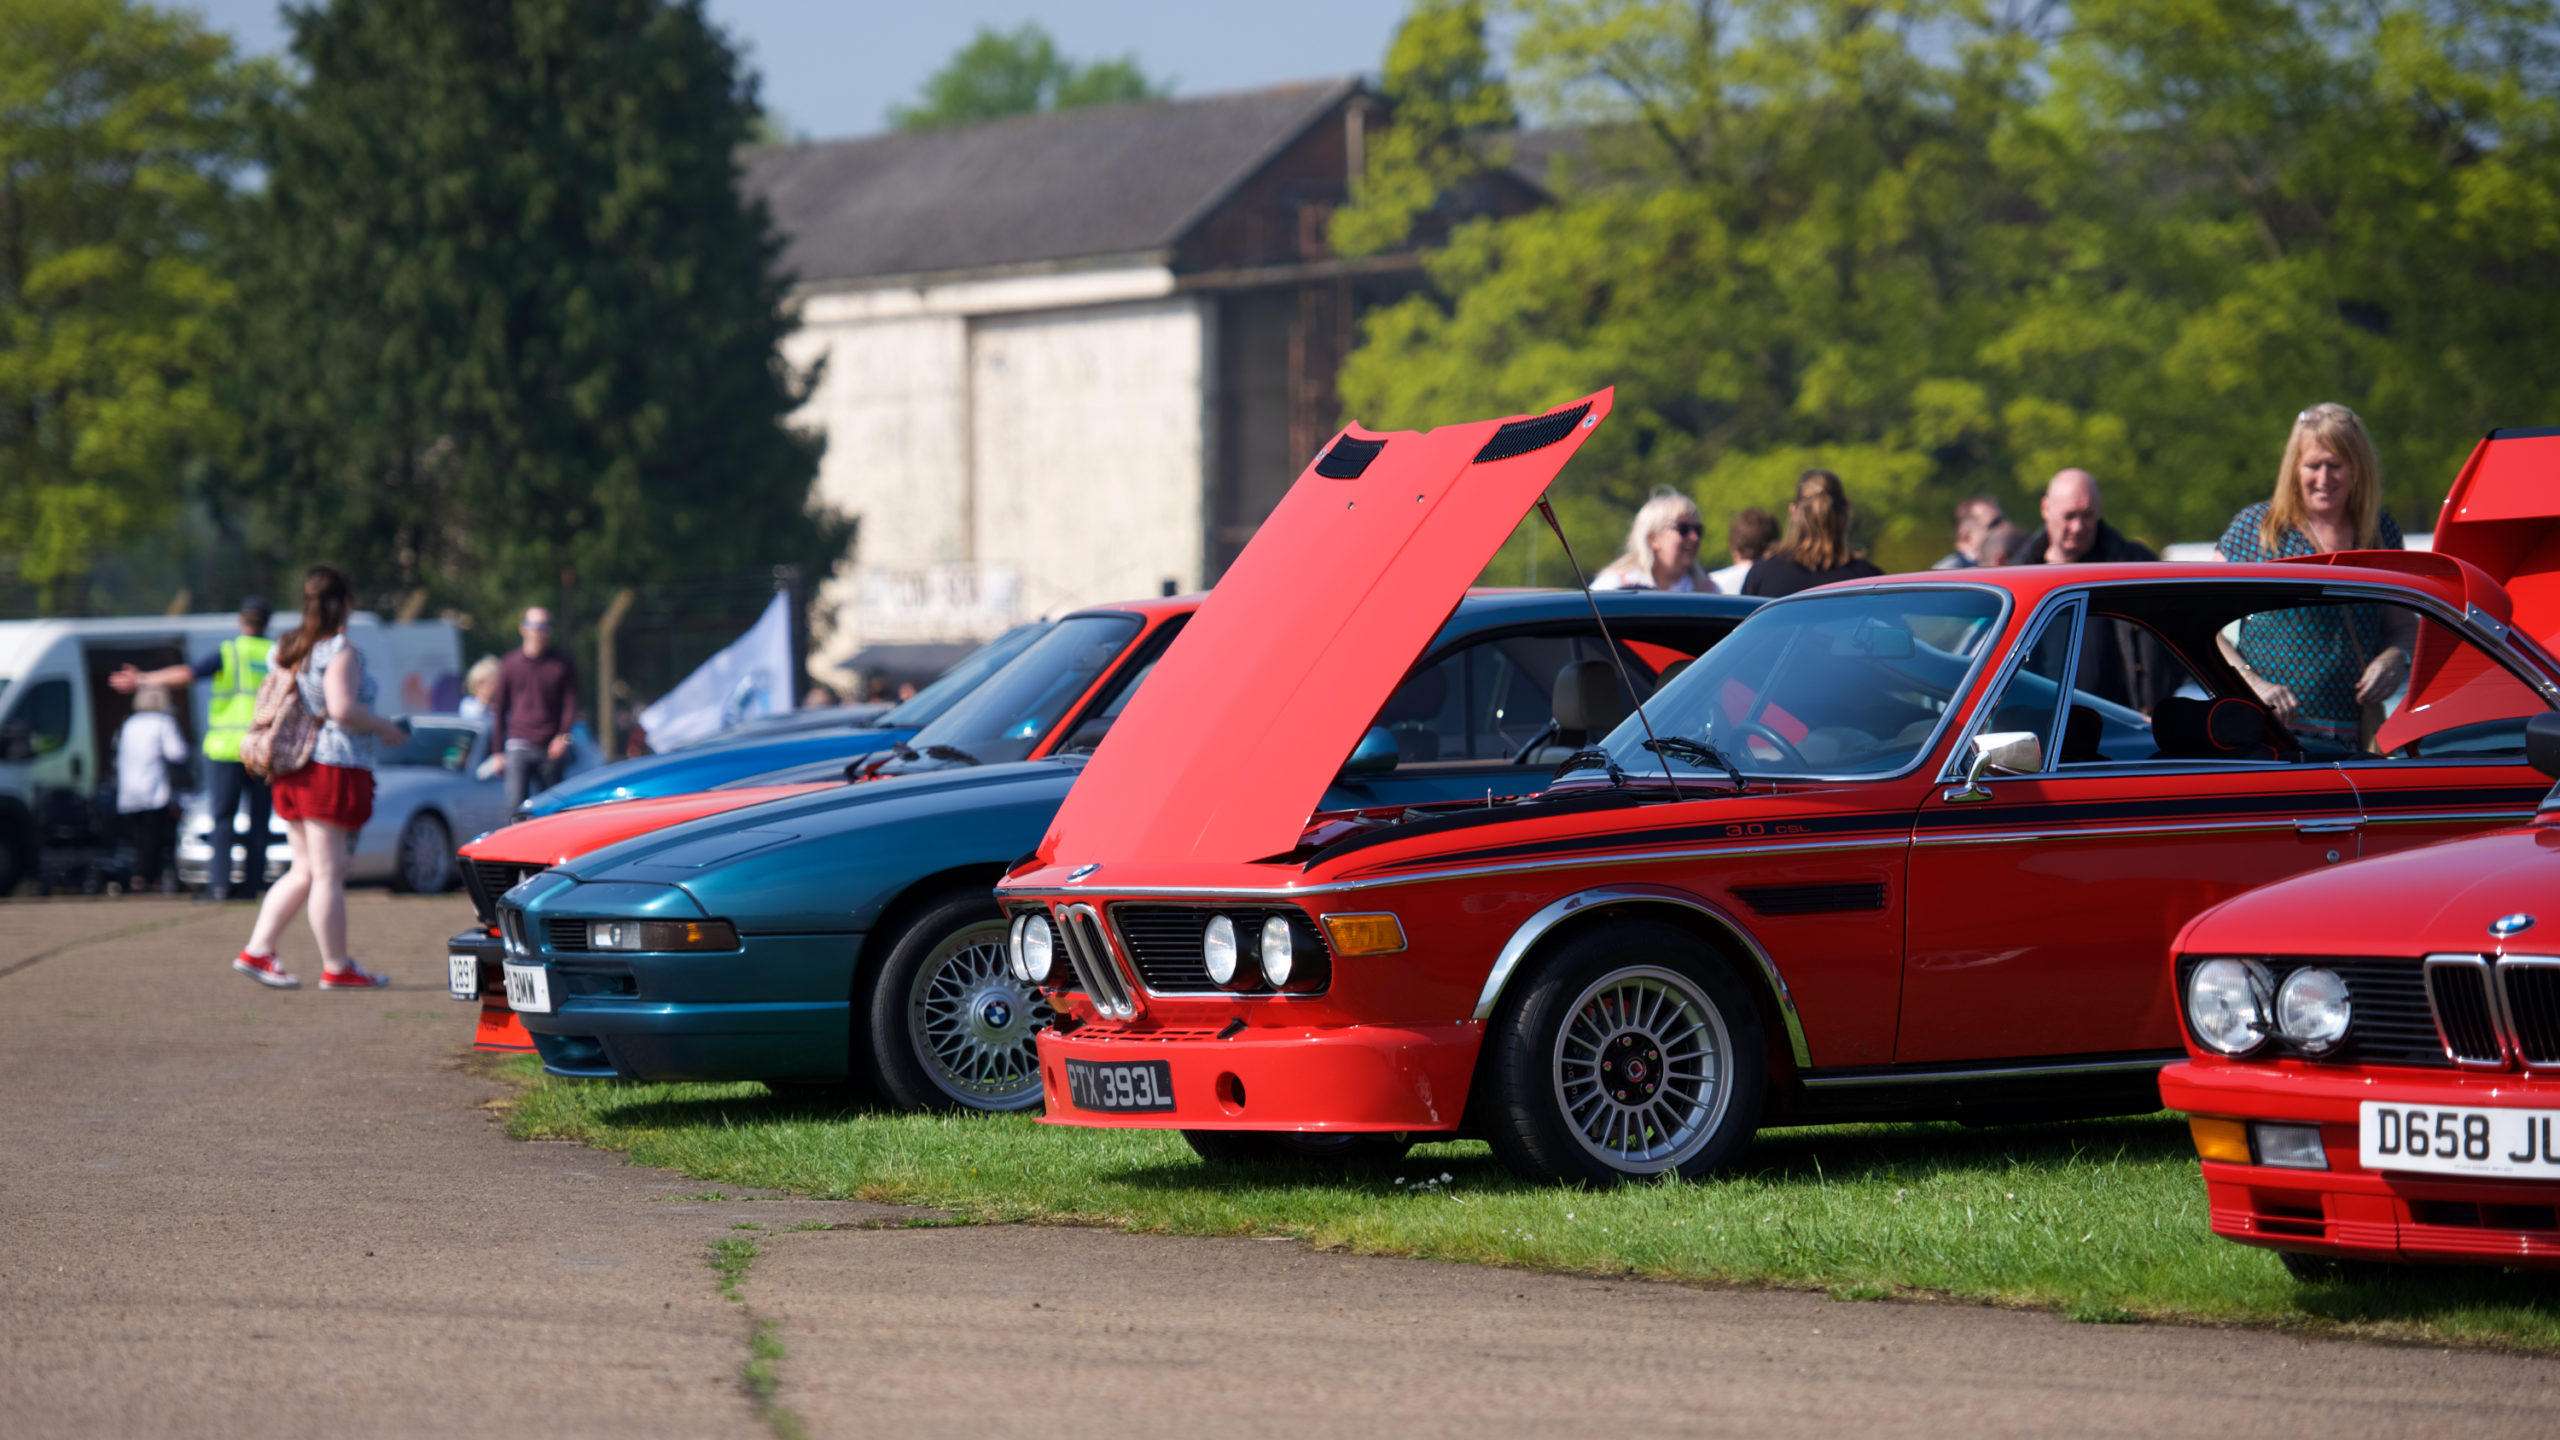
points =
(2311, 1008)
(1035, 950)
(1276, 945)
(2227, 1004)
(1218, 950)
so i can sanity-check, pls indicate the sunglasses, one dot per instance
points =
(1690, 528)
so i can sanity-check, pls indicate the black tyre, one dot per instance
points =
(422, 859)
(949, 1028)
(1631, 1054)
(1265, 1147)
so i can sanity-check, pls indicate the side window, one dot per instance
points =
(2356, 679)
(1488, 702)
(2126, 672)
(46, 716)
(2031, 699)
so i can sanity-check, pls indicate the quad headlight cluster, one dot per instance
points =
(2238, 1008)
(1278, 954)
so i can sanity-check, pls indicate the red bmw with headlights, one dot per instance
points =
(2374, 1050)
(1907, 847)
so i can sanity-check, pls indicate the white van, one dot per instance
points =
(59, 717)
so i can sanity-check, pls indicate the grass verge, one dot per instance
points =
(2102, 1221)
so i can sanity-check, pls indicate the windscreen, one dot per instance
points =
(933, 701)
(1830, 685)
(1006, 716)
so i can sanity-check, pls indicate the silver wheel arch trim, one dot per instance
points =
(1537, 927)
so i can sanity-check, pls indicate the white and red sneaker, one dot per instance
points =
(266, 970)
(354, 977)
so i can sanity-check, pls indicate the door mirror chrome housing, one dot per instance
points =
(1376, 754)
(2006, 752)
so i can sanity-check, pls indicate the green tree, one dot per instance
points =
(1020, 72)
(513, 322)
(1449, 110)
(1940, 246)
(119, 128)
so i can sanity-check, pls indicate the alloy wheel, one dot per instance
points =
(1640, 1069)
(973, 1024)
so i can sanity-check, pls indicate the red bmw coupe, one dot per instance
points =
(2375, 1049)
(1897, 848)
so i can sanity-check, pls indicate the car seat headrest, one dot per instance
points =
(2225, 728)
(1587, 698)
(2081, 732)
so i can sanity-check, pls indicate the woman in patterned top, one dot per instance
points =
(2324, 672)
(327, 801)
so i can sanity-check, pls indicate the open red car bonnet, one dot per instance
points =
(1229, 747)
(2503, 515)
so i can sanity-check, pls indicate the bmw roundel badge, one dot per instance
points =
(1082, 871)
(2506, 925)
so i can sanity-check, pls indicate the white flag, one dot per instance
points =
(750, 678)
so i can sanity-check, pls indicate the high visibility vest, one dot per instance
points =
(235, 695)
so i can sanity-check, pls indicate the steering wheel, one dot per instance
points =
(1787, 752)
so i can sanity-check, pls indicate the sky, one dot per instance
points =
(834, 67)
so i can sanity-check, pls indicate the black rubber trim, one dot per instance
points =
(1536, 808)
(2542, 433)
(1522, 436)
(1810, 899)
(1348, 458)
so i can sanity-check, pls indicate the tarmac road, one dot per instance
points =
(228, 1211)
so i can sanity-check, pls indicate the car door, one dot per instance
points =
(2446, 752)
(2042, 904)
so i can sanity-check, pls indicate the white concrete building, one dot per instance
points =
(1071, 357)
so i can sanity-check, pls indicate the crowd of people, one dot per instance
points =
(2327, 497)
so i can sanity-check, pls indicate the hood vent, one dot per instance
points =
(1348, 458)
(1522, 436)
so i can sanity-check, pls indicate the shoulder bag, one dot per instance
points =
(282, 730)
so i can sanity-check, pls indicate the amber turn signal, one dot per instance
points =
(2226, 1140)
(1377, 934)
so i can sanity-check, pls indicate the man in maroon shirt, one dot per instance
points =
(536, 703)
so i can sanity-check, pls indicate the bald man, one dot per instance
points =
(2073, 532)
(2127, 663)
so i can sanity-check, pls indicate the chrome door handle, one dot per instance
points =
(2327, 827)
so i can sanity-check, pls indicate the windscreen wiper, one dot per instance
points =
(951, 752)
(1587, 759)
(1696, 752)
(903, 750)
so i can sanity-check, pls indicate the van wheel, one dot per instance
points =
(949, 1026)
(422, 861)
(1632, 1054)
(1265, 1147)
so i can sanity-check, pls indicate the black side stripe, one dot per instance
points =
(2467, 797)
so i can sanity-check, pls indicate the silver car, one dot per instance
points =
(428, 796)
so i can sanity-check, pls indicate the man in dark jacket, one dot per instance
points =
(2119, 660)
(530, 715)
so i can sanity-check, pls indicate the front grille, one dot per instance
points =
(1164, 941)
(486, 880)
(1089, 955)
(2465, 1017)
(2532, 993)
(567, 935)
(2388, 1019)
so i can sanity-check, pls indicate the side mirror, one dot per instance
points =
(2542, 743)
(2005, 752)
(1376, 754)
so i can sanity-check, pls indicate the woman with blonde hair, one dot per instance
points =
(1662, 549)
(1816, 548)
(2321, 670)
(327, 801)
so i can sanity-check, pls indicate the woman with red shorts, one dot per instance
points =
(325, 802)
